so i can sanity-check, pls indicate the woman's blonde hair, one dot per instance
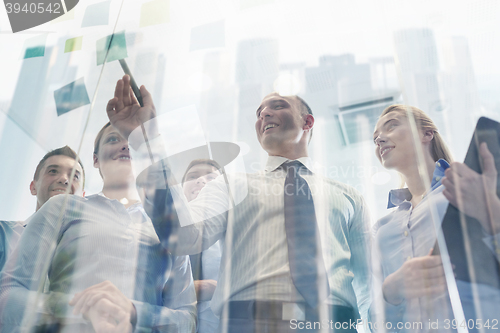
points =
(424, 123)
(439, 149)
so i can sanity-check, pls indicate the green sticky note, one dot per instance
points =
(32, 52)
(73, 44)
(117, 46)
(34, 47)
(154, 12)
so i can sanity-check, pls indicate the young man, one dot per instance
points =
(52, 177)
(295, 253)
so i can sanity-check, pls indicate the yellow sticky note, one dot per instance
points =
(66, 17)
(155, 12)
(73, 44)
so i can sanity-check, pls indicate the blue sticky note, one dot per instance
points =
(117, 46)
(71, 96)
(208, 35)
(34, 47)
(97, 14)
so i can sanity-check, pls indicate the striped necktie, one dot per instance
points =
(307, 267)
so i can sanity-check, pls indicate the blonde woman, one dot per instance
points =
(410, 283)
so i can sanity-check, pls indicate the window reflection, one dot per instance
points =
(208, 67)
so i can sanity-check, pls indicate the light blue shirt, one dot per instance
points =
(409, 232)
(254, 263)
(405, 233)
(210, 261)
(10, 232)
(96, 239)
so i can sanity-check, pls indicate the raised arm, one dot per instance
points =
(163, 202)
(125, 113)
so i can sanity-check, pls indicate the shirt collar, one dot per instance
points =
(274, 162)
(400, 195)
(137, 204)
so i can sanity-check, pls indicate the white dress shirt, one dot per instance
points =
(254, 263)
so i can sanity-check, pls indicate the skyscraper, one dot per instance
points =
(418, 68)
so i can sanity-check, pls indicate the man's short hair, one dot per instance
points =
(305, 109)
(201, 161)
(65, 151)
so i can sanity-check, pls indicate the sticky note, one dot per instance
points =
(34, 47)
(33, 52)
(97, 14)
(71, 96)
(73, 44)
(117, 46)
(207, 35)
(70, 15)
(154, 12)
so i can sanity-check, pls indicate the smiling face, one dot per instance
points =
(281, 126)
(113, 157)
(196, 178)
(394, 145)
(54, 178)
(393, 140)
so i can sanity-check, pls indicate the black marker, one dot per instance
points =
(134, 86)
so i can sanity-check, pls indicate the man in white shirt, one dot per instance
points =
(52, 177)
(266, 282)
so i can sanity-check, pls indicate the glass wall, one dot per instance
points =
(209, 64)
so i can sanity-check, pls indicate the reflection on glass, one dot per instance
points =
(208, 67)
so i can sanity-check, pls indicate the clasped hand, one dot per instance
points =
(418, 277)
(106, 307)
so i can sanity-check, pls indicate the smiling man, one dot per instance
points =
(295, 253)
(52, 177)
